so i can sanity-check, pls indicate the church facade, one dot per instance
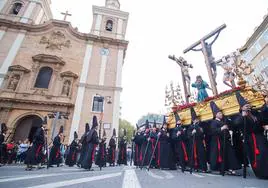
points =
(48, 68)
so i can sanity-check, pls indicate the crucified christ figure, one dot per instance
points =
(211, 59)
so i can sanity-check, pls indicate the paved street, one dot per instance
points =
(117, 177)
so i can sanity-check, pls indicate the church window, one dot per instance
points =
(44, 77)
(16, 8)
(109, 25)
(97, 104)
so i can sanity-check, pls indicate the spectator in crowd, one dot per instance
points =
(23, 148)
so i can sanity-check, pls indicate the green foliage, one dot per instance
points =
(124, 124)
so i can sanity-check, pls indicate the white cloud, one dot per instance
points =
(159, 28)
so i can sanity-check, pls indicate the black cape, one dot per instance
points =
(101, 156)
(196, 150)
(165, 155)
(111, 151)
(217, 145)
(180, 146)
(72, 155)
(122, 154)
(55, 154)
(34, 153)
(256, 144)
(84, 148)
(138, 140)
(92, 142)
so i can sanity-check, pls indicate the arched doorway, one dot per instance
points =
(26, 127)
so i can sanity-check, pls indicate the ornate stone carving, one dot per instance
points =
(55, 41)
(18, 68)
(14, 80)
(66, 88)
(45, 58)
(68, 74)
(113, 4)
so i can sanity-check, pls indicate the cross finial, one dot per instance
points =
(65, 15)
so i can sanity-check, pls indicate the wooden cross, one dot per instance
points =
(207, 53)
(65, 15)
(183, 63)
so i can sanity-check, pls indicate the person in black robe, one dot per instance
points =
(73, 150)
(92, 140)
(111, 149)
(255, 143)
(3, 146)
(146, 151)
(101, 156)
(34, 154)
(264, 115)
(84, 147)
(179, 137)
(197, 152)
(152, 147)
(55, 154)
(165, 156)
(222, 154)
(122, 154)
(138, 140)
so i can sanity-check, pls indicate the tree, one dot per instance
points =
(124, 124)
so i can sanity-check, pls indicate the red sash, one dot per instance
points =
(219, 159)
(256, 150)
(93, 152)
(158, 147)
(195, 155)
(184, 151)
(113, 154)
(38, 150)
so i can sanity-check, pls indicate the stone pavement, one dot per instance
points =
(119, 177)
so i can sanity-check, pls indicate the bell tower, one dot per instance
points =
(109, 21)
(26, 11)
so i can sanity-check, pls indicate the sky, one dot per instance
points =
(157, 29)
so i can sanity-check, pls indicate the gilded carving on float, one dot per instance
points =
(228, 104)
(55, 41)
